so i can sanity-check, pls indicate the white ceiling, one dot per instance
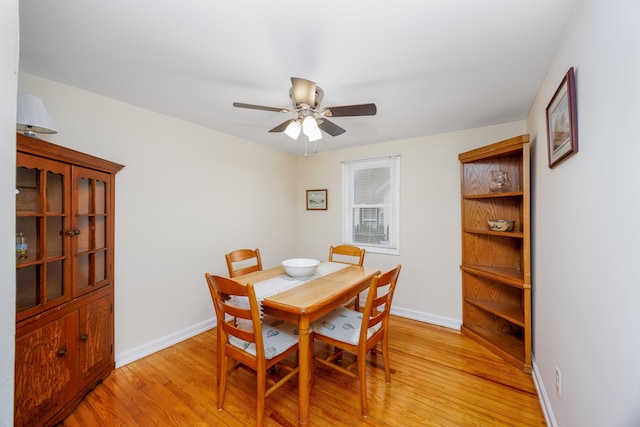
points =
(430, 66)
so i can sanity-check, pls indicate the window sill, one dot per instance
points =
(378, 250)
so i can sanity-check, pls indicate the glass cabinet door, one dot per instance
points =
(91, 247)
(42, 219)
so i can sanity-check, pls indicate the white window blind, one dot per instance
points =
(371, 204)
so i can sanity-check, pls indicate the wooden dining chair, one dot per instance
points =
(243, 261)
(348, 254)
(260, 349)
(358, 332)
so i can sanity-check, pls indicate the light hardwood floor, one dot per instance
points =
(439, 378)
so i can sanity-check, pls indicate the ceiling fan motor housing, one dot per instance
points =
(319, 93)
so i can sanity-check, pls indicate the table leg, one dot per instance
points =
(305, 370)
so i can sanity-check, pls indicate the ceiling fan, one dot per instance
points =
(310, 119)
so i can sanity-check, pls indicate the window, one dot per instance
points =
(371, 204)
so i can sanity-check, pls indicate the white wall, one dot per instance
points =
(586, 284)
(9, 45)
(186, 196)
(429, 288)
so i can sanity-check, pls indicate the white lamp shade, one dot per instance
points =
(33, 116)
(311, 129)
(293, 130)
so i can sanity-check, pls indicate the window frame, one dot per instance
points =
(348, 170)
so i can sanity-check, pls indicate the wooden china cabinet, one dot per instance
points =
(64, 278)
(496, 265)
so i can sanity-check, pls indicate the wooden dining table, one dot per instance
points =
(306, 303)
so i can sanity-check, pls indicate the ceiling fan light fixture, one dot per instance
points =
(311, 129)
(293, 130)
(315, 137)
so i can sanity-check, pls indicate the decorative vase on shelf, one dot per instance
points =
(499, 182)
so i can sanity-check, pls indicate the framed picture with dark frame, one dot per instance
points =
(562, 121)
(316, 200)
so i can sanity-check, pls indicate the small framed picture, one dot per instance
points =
(562, 123)
(316, 200)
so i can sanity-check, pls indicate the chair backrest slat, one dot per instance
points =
(242, 334)
(347, 254)
(236, 312)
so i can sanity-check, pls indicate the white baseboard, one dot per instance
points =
(542, 395)
(161, 343)
(420, 316)
(174, 338)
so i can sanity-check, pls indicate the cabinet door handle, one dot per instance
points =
(72, 233)
(84, 338)
(62, 353)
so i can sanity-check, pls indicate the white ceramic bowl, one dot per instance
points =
(300, 267)
(500, 224)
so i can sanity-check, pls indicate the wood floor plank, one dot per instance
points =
(439, 378)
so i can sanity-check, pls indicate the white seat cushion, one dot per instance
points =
(277, 335)
(343, 324)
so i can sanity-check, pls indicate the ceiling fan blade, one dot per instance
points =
(330, 127)
(282, 126)
(303, 92)
(260, 107)
(351, 110)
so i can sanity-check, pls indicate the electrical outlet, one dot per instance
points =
(558, 381)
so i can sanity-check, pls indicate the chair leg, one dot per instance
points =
(260, 396)
(222, 380)
(219, 355)
(385, 358)
(362, 376)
